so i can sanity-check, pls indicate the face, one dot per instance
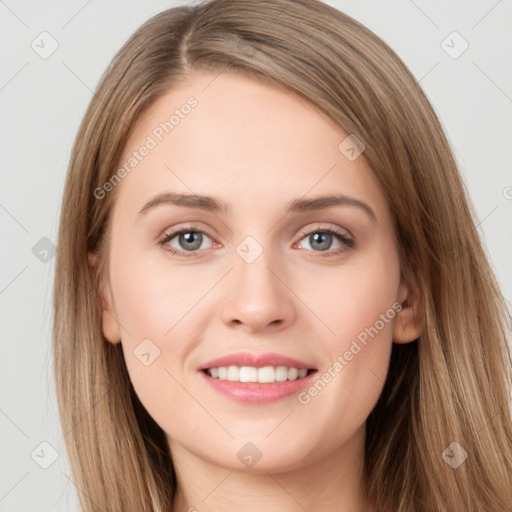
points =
(301, 295)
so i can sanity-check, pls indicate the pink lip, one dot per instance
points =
(256, 360)
(254, 392)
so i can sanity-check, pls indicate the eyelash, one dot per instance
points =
(348, 242)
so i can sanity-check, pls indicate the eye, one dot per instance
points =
(321, 240)
(188, 240)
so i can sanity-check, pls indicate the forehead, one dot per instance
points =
(213, 107)
(237, 138)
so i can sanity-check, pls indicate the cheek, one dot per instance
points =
(151, 301)
(155, 309)
(353, 298)
(357, 306)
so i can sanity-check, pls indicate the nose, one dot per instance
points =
(258, 298)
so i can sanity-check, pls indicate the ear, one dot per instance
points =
(110, 325)
(409, 320)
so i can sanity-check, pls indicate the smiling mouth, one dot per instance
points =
(261, 375)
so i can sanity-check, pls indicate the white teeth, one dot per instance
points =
(248, 374)
(281, 373)
(266, 374)
(293, 373)
(233, 373)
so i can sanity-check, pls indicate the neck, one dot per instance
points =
(332, 482)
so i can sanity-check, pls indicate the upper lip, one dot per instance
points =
(257, 360)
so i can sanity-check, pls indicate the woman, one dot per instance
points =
(261, 367)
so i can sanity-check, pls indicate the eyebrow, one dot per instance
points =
(213, 205)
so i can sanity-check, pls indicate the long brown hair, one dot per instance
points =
(451, 385)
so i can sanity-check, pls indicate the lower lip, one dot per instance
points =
(255, 392)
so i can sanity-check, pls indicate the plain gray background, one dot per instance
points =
(42, 100)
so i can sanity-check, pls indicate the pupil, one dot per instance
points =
(319, 238)
(191, 238)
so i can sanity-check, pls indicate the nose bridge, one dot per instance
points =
(257, 296)
(253, 267)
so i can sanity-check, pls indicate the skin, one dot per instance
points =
(255, 147)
